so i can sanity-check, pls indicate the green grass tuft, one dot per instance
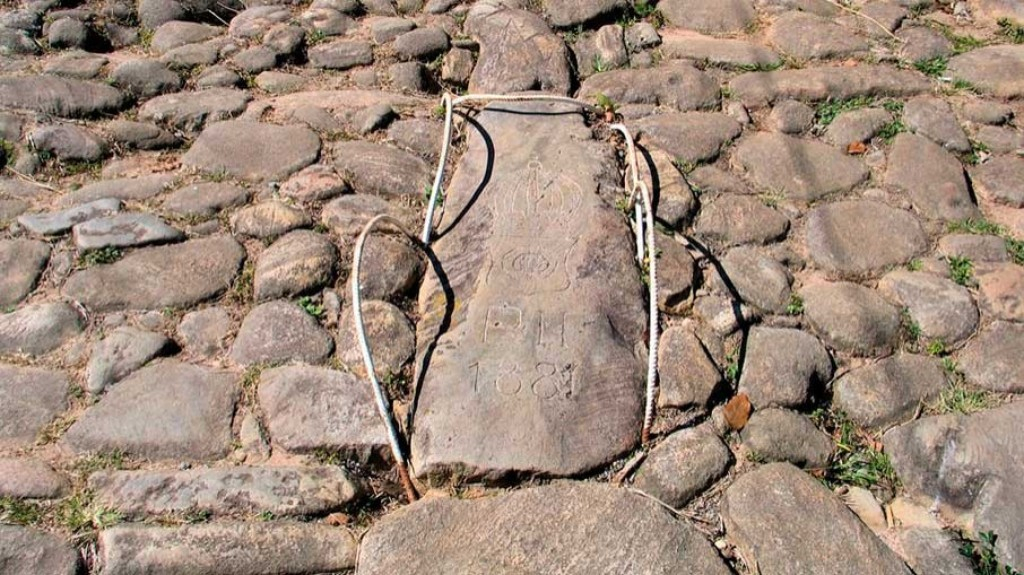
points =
(1013, 31)
(857, 459)
(933, 67)
(829, 109)
(982, 555)
(961, 269)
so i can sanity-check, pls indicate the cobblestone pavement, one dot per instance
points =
(840, 205)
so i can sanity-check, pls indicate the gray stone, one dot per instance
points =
(784, 367)
(933, 118)
(280, 331)
(410, 77)
(687, 374)
(177, 276)
(859, 237)
(731, 220)
(857, 126)
(677, 202)
(203, 333)
(967, 466)
(25, 551)
(387, 29)
(708, 178)
(705, 134)
(17, 42)
(977, 248)
(993, 360)
(851, 317)
(29, 478)
(600, 51)
(381, 170)
(184, 58)
(284, 40)
(261, 548)
(923, 43)
(253, 150)
(792, 117)
(1001, 180)
(555, 313)
(934, 552)
(311, 409)
(943, 310)
(137, 189)
(642, 35)
(119, 354)
(996, 70)
(280, 82)
(314, 183)
(675, 85)
(932, 177)
(300, 262)
(518, 51)
(59, 96)
(987, 112)
(255, 20)
(683, 465)
(21, 264)
(373, 118)
(390, 268)
(68, 33)
(68, 142)
(760, 280)
(283, 491)
(419, 136)
(346, 216)
(889, 392)
(205, 199)
(268, 219)
(760, 89)
(677, 276)
(39, 328)
(775, 434)
(726, 52)
(421, 44)
(171, 35)
(999, 139)
(124, 230)
(568, 13)
(571, 532)
(710, 16)
(809, 37)
(31, 399)
(76, 64)
(255, 60)
(169, 410)
(457, 66)
(1001, 291)
(774, 514)
(802, 170)
(341, 55)
(189, 111)
(141, 135)
(144, 79)
(389, 333)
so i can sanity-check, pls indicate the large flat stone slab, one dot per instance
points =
(25, 551)
(62, 97)
(169, 410)
(787, 522)
(189, 111)
(39, 328)
(259, 548)
(689, 45)
(570, 529)
(252, 150)
(932, 177)
(155, 278)
(690, 137)
(21, 264)
(759, 89)
(225, 490)
(534, 369)
(29, 400)
(676, 84)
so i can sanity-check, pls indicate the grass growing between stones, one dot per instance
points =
(795, 305)
(982, 555)
(959, 397)
(858, 458)
(961, 270)
(311, 307)
(19, 512)
(933, 67)
(1013, 31)
(983, 227)
(107, 255)
(829, 109)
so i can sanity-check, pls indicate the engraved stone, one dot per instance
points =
(528, 343)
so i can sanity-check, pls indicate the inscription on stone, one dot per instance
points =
(529, 359)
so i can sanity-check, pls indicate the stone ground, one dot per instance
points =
(841, 240)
